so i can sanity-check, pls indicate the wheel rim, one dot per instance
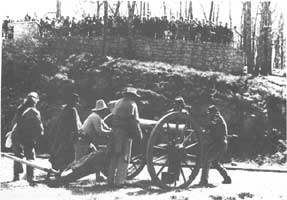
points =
(170, 164)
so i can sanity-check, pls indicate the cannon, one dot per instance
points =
(171, 150)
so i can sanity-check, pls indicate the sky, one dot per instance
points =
(17, 9)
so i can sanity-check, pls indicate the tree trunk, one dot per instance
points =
(58, 12)
(98, 9)
(117, 9)
(105, 26)
(247, 35)
(211, 11)
(190, 15)
(131, 10)
(180, 9)
(264, 54)
(141, 9)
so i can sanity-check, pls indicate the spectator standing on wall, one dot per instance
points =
(5, 27)
(27, 17)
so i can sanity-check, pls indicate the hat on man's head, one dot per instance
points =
(100, 105)
(179, 99)
(33, 95)
(131, 90)
(212, 109)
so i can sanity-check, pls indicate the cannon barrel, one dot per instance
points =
(147, 123)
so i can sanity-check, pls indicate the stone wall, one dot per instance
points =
(206, 57)
(201, 56)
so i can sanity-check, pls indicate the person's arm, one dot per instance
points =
(74, 124)
(136, 112)
(138, 133)
(99, 127)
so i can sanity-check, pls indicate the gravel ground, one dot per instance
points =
(246, 185)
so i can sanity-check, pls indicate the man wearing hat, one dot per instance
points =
(88, 159)
(27, 127)
(215, 145)
(64, 132)
(125, 127)
(179, 105)
(93, 128)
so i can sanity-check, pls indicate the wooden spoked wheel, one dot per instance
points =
(137, 160)
(174, 151)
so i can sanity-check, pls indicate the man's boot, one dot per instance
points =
(17, 169)
(223, 172)
(30, 174)
(16, 177)
(227, 180)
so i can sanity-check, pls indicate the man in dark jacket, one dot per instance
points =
(65, 132)
(28, 127)
(215, 145)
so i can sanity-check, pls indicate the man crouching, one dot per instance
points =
(215, 145)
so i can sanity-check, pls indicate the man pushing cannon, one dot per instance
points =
(125, 125)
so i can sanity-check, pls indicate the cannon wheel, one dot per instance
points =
(171, 165)
(137, 160)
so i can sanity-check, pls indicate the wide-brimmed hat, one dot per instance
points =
(131, 90)
(100, 105)
(179, 100)
(33, 95)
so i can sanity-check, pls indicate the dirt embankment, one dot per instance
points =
(254, 107)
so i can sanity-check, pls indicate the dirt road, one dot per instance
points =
(246, 185)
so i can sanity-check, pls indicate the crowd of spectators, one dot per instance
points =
(152, 27)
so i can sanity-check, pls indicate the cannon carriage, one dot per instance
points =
(171, 149)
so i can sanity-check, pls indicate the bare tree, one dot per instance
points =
(58, 8)
(211, 11)
(247, 35)
(264, 49)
